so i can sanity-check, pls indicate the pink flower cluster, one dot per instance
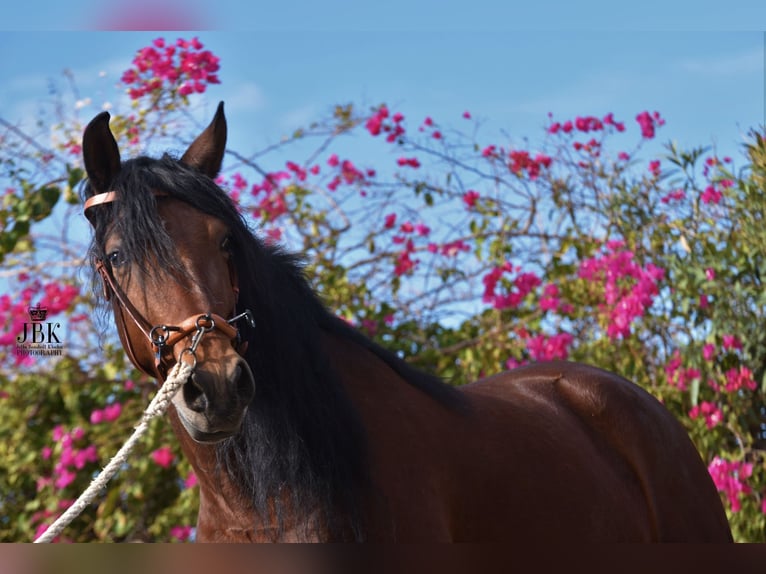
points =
(739, 378)
(549, 348)
(522, 161)
(379, 123)
(629, 289)
(679, 376)
(710, 411)
(108, 414)
(675, 195)
(450, 248)
(587, 124)
(711, 195)
(71, 457)
(236, 185)
(163, 456)
(412, 162)
(470, 198)
(404, 263)
(521, 286)
(712, 163)
(649, 123)
(730, 477)
(183, 66)
(181, 533)
(347, 173)
(551, 301)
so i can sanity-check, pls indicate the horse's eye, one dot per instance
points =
(115, 258)
(226, 243)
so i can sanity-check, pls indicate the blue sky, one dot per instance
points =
(709, 85)
(412, 15)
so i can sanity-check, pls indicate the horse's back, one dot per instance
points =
(569, 450)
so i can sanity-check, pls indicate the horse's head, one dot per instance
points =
(164, 246)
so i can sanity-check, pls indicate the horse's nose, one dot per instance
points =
(244, 383)
(203, 391)
(194, 392)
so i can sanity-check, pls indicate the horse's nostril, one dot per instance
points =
(194, 396)
(245, 383)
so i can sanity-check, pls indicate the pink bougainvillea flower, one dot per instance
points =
(550, 299)
(629, 288)
(408, 161)
(181, 533)
(163, 456)
(191, 480)
(711, 195)
(731, 342)
(64, 478)
(389, 221)
(648, 123)
(739, 378)
(710, 411)
(489, 151)
(470, 198)
(676, 195)
(549, 348)
(730, 477)
(112, 412)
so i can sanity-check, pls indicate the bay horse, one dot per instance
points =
(300, 428)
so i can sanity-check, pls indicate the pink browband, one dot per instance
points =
(107, 197)
(98, 199)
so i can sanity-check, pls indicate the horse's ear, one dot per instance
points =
(100, 153)
(206, 152)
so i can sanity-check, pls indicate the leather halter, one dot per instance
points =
(162, 337)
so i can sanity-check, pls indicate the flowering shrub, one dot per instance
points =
(466, 254)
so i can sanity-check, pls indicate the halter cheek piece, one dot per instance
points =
(164, 337)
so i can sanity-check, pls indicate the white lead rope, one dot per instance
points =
(157, 407)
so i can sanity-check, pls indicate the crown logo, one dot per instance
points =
(38, 313)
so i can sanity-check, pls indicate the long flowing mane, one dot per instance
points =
(301, 435)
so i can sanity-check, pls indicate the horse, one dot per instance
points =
(300, 428)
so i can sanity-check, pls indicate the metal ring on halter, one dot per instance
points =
(192, 353)
(202, 328)
(156, 340)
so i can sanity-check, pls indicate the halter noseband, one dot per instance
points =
(164, 337)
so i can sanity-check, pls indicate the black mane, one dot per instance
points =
(301, 434)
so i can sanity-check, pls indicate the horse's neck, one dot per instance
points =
(223, 513)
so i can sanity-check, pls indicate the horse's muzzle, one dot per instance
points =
(213, 402)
